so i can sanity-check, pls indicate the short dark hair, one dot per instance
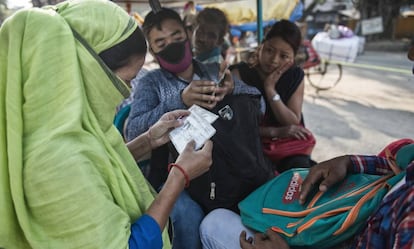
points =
(214, 16)
(288, 31)
(118, 56)
(153, 19)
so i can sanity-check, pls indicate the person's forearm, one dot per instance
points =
(281, 111)
(289, 112)
(369, 165)
(283, 114)
(270, 132)
(140, 146)
(161, 208)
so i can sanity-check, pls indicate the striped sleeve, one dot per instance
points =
(370, 165)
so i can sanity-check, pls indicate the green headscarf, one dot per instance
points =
(67, 179)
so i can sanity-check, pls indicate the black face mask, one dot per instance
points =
(175, 57)
(173, 53)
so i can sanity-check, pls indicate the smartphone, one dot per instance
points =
(220, 82)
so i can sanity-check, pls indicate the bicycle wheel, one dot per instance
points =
(325, 75)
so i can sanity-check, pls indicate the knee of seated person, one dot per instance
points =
(221, 229)
(213, 220)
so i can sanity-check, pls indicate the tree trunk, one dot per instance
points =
(387, 9)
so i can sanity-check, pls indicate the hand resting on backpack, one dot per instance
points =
(326, 174)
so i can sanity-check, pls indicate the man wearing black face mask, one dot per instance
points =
(178, 84)
(181, 81)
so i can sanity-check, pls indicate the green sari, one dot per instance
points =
(67, 179)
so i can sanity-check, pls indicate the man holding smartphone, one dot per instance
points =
(179, 83)
(181, 80)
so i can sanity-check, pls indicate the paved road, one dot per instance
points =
(366, 110)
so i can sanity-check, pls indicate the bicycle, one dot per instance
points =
(322, 74)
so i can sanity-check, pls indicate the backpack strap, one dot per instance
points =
(353, 213)
(380, 181)
(392, 162)
(354, 210)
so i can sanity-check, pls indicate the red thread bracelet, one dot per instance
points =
(187, 179)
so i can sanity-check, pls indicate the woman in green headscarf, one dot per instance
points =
(67, 179)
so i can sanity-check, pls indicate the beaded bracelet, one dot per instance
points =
(187, 179)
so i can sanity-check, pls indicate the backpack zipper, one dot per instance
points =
(212, 185)
(212, 191)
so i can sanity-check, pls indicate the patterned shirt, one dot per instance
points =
(392, 225)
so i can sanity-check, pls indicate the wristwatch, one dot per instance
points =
(276, 97)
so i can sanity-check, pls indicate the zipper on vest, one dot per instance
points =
(212, 190)
(212, 184)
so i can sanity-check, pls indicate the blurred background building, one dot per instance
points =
(373, 19)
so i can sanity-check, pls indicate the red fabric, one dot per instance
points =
(313, 57)
(283, 147)
(394, 147)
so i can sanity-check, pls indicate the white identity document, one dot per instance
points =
(197, 126)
